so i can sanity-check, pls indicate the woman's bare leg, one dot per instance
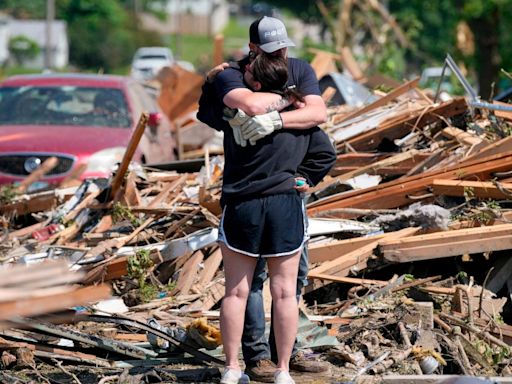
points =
(238, 272)
(283, 286)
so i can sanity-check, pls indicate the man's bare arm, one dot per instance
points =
(312, 114)
(254, 103)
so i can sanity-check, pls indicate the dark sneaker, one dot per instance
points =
(261, 370)
(301, 363)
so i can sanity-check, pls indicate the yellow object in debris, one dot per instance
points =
(420, 353)
(204, 334)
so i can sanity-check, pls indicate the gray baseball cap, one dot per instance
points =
(269, 34)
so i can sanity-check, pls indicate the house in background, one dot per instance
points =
(190, 17)
(4, 39)
(35, 30)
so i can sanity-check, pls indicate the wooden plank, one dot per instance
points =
(357, 256)
(118, 267)
(446, 236)
(15, 275)
(500, 146)
(128, 155)
(351, 280)
(371, 168)
(323, 64)
(328, 94)
(321, 252)
(188, 274)
(40, 202)
(172, 186)
(507, 115)
(131, 195)
(369, 141)
(211, 267)
(449, 243)
(395, 193)
(218, 49)
(351, 65)
(83, 204)
(448, 249)
(478, 189)
(462, 137)
(215, 294)
(48, 304)
(380, 102)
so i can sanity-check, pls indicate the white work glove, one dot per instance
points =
(236, 123)
(261, 125)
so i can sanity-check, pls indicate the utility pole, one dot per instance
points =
(50, 16)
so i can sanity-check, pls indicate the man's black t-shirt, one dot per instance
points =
(270, 166)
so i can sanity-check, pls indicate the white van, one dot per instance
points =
(147, 61)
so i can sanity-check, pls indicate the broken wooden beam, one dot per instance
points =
(370, 140)
(448, 243)
(472, 189)
(128, 154)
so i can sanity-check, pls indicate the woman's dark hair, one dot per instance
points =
(272, 73)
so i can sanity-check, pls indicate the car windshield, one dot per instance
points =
(150, 57)
(64, 105)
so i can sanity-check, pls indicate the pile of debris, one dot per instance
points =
(406, 261)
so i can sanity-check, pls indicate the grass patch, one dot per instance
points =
(199, 49)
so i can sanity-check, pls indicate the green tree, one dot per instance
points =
(102, 34)
(436, 23)
(98, 34)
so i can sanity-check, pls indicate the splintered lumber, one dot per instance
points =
(130, 151)
(118, 267)
(500, 146)
(507, 115)
(449, 243)
(37, 202)
(478, 189)
(323, 63)
(351, 280)
(218, 49)
(213, 294)
(350, 63)
(396, 193)
(179, 92)
(342, 265)
(37, 276)
(210, 268)
(328, 94)
(320, 252)
(52, 303)
(188, 274)
(349, 162)
(368, 141)
(372, 168)
(380, 102)
(125, 349)
(463, 137)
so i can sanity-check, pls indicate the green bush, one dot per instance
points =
(22, 48)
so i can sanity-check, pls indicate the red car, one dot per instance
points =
(80, 119)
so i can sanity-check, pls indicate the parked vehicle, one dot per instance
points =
(80, 119)
(147, 61)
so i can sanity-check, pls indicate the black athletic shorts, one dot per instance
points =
(268, 226)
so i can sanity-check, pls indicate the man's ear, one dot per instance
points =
(256, 86)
